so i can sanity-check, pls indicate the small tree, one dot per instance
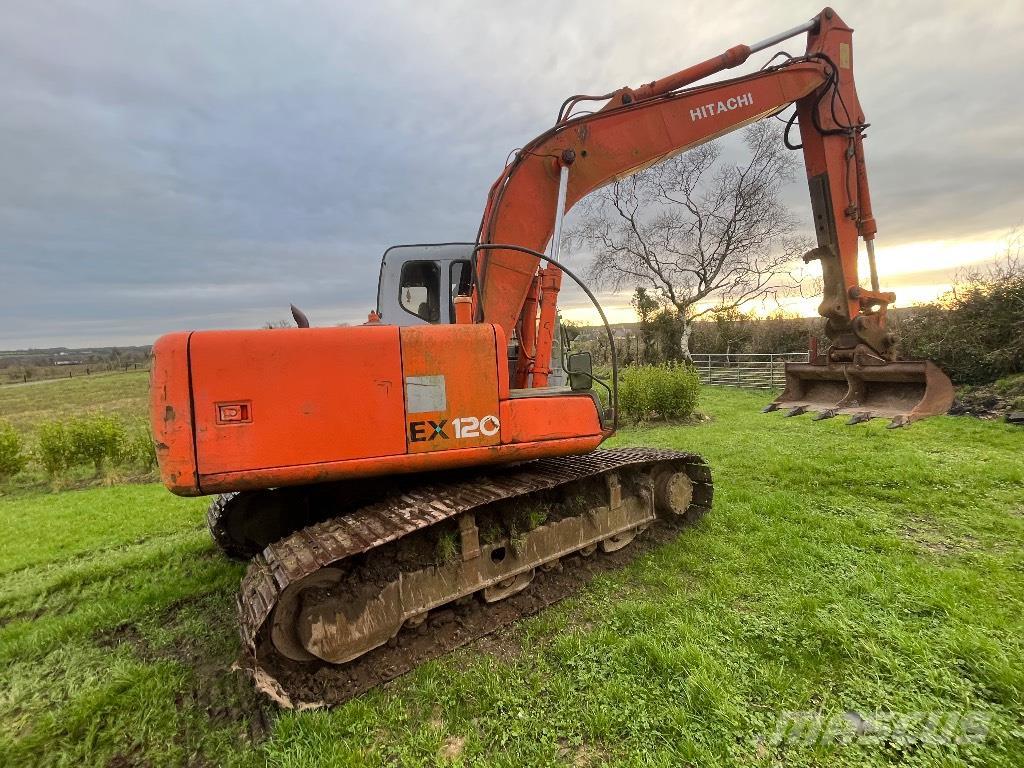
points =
(53, 448)
(700, 236)
(94, 439)
(12, 452)
(976, 331)
(646, 308)
(137, 447)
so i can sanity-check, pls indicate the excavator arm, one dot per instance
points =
(638, 127)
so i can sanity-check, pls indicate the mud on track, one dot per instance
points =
(312, 685)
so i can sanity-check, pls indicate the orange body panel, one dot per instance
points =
(451, 387)
(234, 410)
(170, 413)
(395, 465)
(312, 394)
(548, 418)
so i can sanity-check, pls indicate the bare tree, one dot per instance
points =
(700, 235)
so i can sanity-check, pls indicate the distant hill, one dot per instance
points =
(22, 365)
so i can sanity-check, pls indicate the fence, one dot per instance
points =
(39, 373)
(761, 370)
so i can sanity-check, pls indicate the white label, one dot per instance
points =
(718, 107)
(471, 426)
(425, 394)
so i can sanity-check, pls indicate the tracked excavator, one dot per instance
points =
(442, 457)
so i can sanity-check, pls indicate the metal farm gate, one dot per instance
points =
(760, 370)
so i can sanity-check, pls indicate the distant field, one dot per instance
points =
(27, 405)
(841, 569)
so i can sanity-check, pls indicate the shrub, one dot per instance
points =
(658, 392)
(94, 439)
(12, 452)
(137, 448)
(975, 333)
(54, 448)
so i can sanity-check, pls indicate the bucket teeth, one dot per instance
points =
(770, 407)
(900, 390)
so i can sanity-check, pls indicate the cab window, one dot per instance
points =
(460, 276)
(420, 288)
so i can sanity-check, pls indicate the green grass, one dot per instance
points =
(841, 569)
(27, 406)
(121, 394)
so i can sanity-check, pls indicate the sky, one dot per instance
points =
(203, 163)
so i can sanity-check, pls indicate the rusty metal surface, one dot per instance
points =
(903, 391)
(318, 546)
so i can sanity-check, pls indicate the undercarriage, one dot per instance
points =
(332, 609)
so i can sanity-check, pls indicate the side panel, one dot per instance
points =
(451, 387)
(170, 414)
(419, 462)
(296, 396)
(528, 419)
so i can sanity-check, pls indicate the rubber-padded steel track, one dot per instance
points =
(317, 546)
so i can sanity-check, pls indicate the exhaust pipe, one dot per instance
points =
(903, 391)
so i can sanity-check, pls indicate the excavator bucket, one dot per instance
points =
(903, 391)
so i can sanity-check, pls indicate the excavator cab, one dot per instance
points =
(418, 285)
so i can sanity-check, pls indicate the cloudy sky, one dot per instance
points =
(202, 163)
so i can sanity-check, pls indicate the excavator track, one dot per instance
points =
(346, 604)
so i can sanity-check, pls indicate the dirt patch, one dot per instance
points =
(582, 756)
(452, 748)
(503, 645)
(130, 759)
(124, 634)
(990, 401)
(216, 687)
(129, 633)
(934, 540)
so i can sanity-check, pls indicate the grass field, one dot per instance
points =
(121, 394)
(841, 569)
(30, 405)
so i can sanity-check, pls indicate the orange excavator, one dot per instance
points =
(441, 456)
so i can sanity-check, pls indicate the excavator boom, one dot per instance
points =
(639, 127)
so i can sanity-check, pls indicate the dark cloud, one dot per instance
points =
(201, 164)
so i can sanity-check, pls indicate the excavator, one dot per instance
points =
(443, 453)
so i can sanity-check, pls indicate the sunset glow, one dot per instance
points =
(917, 272)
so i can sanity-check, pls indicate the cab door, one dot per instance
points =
(418, 283)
